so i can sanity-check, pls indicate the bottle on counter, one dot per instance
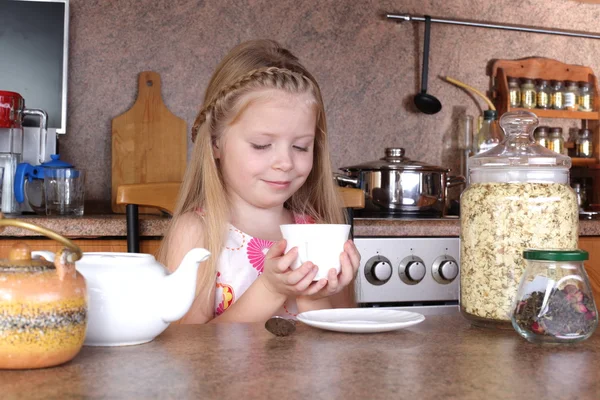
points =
(514, 92)
(571, 96)
(556, 141)
(586, 102)
(583, 145)
(490, 134)
(554, 302)
(544, 94)
(501, 216)
(528, 94)
(558, 95)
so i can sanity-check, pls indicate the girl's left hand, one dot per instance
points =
(350, 261)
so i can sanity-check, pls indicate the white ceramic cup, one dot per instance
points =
(320, 244)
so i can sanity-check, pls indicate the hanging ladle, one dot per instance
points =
(426, 103)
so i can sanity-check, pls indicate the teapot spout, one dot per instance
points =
(179, 287)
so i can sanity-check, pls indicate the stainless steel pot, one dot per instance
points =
(398, 184)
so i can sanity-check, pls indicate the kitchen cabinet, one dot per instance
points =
(591, 244)
(149, 246)
(549, 69)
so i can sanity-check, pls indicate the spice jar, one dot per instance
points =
(585, 97)
(543, 93)
(554, 302)
(528, 94)
(558, 95)
(571, 96)
(514, 92)
(518, 198)
(541, 136)
(583, 144)
(556, 141)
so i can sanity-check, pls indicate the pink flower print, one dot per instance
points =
(257, 249)
(220, 309)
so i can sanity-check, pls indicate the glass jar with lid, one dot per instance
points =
(544, 94)
(514, 92)
(554, 302)
(558, 95)
(489, 134)
(541, 135)
(583, 144)
(586, 102)
(556, 141)
(528, 94)
(518, 198)
(571, 96)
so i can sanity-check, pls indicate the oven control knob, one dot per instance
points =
(444, 269)
(378, 270)
(448, 270)
(412, 270)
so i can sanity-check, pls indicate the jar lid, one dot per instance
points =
(555, 255)
(518, 158)
(527, 80)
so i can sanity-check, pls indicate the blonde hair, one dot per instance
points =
(249, 67)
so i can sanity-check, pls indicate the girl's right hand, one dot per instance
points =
(277, 275)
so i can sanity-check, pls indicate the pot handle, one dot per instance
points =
(458, 180)
(341, 178)
(76, 251)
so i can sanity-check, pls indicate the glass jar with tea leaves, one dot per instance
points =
(518, 198)
(554, 302)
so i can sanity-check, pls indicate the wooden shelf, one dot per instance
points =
(541, 113)
(582, 162)
(548, 69)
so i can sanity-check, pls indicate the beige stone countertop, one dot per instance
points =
(114, 225)
(441, 358)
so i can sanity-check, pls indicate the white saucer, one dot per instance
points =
(360, 320)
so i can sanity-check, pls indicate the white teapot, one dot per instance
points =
(132, 298)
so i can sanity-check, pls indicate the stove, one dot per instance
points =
(411, 273)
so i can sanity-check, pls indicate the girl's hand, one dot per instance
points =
(350, 260)
(279, 278)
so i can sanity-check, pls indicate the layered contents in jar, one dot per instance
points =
(498, 222)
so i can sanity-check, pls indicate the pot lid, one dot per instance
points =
(394, 159)
(20, 260)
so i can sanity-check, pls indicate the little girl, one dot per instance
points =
(260, 159)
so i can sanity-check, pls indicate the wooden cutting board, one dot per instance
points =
(149, 143)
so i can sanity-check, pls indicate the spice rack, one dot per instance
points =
(549, 69)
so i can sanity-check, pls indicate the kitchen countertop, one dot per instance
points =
(441, 358)
(114, 225)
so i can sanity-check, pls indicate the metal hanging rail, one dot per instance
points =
(519, 28)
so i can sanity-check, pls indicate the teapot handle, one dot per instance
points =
(76, 251)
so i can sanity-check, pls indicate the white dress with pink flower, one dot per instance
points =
(240, 263)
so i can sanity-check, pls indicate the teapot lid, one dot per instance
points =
(19, 260)
(56, 162)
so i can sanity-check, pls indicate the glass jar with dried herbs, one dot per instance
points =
(544, 94)
(571, 96)
(554, 302)
(586, 101)
(518, 198)
(528, 93)
(514, 92)
(558, 95)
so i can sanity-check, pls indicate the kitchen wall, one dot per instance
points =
(368, 68)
